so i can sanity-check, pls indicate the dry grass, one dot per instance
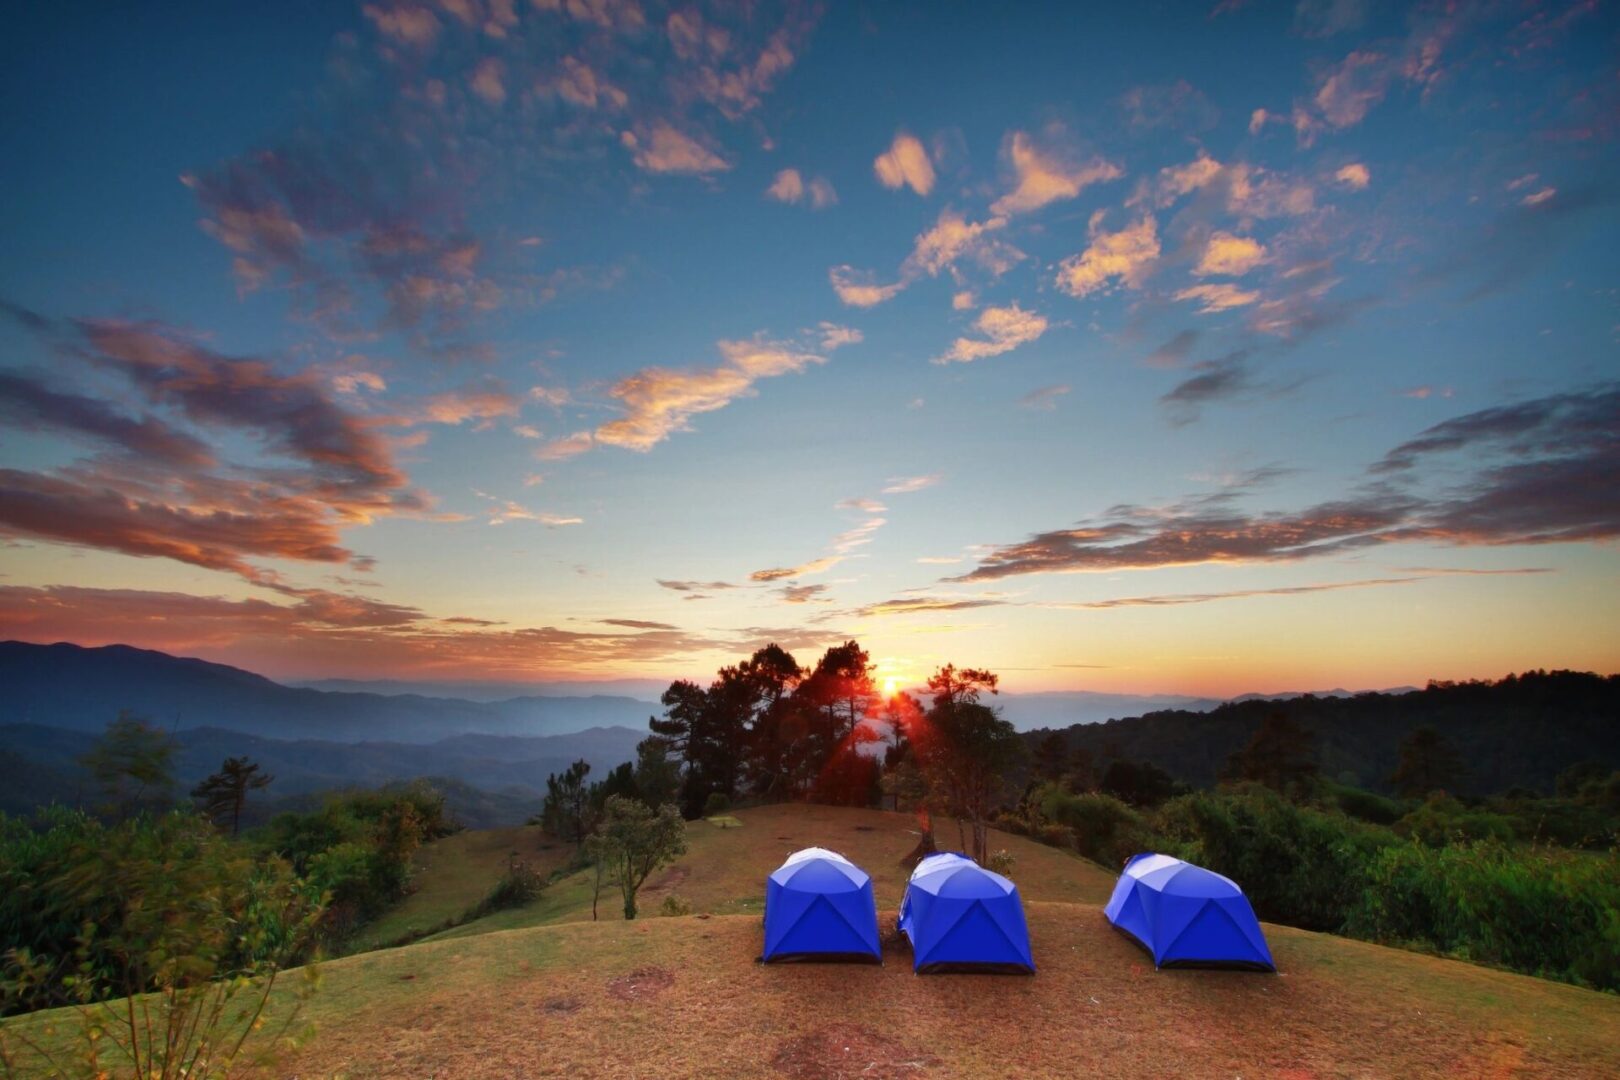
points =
(683, 997)
(552, 1001)
(453, 874)
(724, 869)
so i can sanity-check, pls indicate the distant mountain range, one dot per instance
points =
(42, 762)
(68, 686)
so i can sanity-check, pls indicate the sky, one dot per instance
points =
(1206, 349)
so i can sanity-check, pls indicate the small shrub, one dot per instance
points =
(1001, 862)
(1368, 806)
(717, 803)
(675, 905)
(521, 885)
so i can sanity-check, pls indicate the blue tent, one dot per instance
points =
(1184, 914)
(819, 904)
(958, 914)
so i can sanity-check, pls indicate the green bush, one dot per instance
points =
(519, 886)
(674, 905)
(1366, 805)
(1548, 913)
(717, 803)
(1297, 865)
(1100, 826)
(1442, 820)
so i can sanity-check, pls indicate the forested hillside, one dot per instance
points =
(1521, 731)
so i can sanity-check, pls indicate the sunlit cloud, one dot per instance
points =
(1216, 298)
(1004, 329)
(1354, 176)
(1043, 178)
(1229, 255)
(663, 149)
(814, 566)
(857, 289)
(1542, 473)
(905, 164)
(1126, 256)
(788, 187)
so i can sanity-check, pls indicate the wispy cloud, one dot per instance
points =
(1043, 177)
(1218, 297)
(661, 148)
(781, 573)
(902, 485)
(1542, 472)
(1044, 398)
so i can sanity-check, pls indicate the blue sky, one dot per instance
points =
(1161, 348)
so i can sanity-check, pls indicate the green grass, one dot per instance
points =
(453, 874)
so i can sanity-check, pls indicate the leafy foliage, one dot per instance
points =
(631, 841)
(1541, 911)
(185, 931)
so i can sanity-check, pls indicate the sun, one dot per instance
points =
(890, 686)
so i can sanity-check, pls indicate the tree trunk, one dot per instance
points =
(925, 842)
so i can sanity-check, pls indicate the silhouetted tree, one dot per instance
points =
(1052, 757)
(132, 763)
(1278, 756)
(658, 779)
(568, 801)
(1140, 783)
(632, 841)
(225, 792)
(774, 674)
(967, 751)
(1428, 763)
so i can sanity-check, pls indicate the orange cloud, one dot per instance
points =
(1221, 297)
(905, 164)
(1005, 328)
(663, 149)
(1127, 256)
(1043, 178)
(1229, 255)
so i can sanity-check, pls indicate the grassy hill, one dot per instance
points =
(453, 874)
(723, 872)
(547, 992)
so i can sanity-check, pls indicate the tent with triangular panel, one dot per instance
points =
(960, 916)
(819, 905)
(1185, 915)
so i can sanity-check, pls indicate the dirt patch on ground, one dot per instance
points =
(641, 984)
(562, 1006)
(850, 1053)
(667, 884)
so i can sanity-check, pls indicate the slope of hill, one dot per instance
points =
(683, 997)
(453, 874)
(1521, 731)
(69, 686)
(723, 872)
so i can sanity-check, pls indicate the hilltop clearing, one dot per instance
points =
(724, 869)
(683, 997)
